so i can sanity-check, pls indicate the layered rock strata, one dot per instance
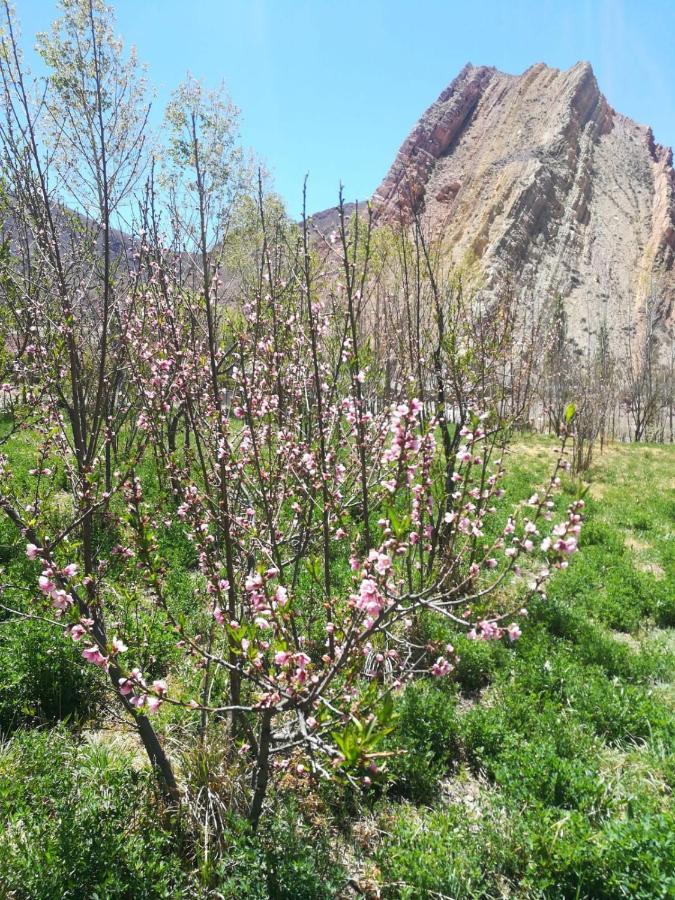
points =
(549, 188)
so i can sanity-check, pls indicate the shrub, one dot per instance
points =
(79, 824)
(535, 751)
(427, 735)
(299, 860)
(448, 852)
(479, 662)
(632, 857)
(44, 679)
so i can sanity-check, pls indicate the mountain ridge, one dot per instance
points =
(548, 187)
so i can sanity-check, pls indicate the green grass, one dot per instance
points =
(78, 823)
(558, 753)
(543, 769)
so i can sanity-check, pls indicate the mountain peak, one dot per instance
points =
(546, 185)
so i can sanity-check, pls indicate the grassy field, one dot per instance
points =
(543, 770)
(562, 766)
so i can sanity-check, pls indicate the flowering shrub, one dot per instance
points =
(332, 491)
(307, 672)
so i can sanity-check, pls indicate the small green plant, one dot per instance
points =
(78, 822)
(43, 679)
(425, 742)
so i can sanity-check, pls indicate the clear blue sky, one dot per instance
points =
(332, 88)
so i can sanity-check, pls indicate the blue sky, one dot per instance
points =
(332, 88)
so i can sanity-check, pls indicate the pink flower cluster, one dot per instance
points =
(138, 694)
(369, 599)
(50, 580)
(489, 630)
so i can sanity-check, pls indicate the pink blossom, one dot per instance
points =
(383, 564)
(282, 657)
(369, 599)
(46, 585)
(70, 570)
(61, 600)
(32, 551)
(253, 583)
(137, 677)
(218, 615)
(126, 686)
(77, 632)
(489, 631)
(441, 667)
(119, 646)
(513, 632)
(566, 546)
(94, 655)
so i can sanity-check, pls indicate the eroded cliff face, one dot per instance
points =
(550, 188)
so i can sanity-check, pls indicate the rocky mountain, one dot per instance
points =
(549, 187)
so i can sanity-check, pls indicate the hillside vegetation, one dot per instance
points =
(540, 769)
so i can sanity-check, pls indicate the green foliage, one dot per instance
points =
(43, 678)
(298, 858)
(238, 870)
(633, 857)
(453, 852)
(78, 823)
(533, 749)
(360, 739)
(446, 852)
(479, 661)
(425, 741)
